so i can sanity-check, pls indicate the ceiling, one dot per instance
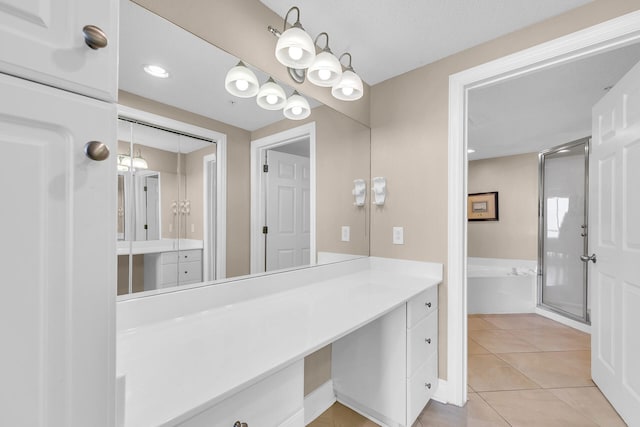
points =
(543, 109)
(389, 38)
(197, 70)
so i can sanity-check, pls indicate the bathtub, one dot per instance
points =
(501, 285)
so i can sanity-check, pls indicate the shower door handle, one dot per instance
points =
(587, 258)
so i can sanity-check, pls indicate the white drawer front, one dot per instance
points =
(421, 306)
(169, 275)
(420, 388)
(270, 403)
(422, 340)
(169, 258)
(190, 255)
(190, 272)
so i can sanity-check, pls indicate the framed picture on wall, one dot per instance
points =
(483, 206)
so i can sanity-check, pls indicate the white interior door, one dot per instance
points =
(615, 239)
(58, 258)
(288, 211)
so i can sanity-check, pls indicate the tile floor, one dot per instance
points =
(524, 370)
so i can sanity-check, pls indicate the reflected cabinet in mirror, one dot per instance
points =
(212, 186)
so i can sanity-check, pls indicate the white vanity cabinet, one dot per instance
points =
(44, 41)
(58, 262)
(276, 401)
(403, 344)
(173, 268)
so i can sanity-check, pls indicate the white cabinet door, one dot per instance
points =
(57, 258)
(43, 41)
(614, 212)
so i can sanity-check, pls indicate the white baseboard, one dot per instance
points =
(318, 401)
(442, 392)
(564, 320)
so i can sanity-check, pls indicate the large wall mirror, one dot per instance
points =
(185, 216)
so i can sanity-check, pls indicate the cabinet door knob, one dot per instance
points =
(239, 424)
(96, 150)
(428, 385)
(428, 304)
(94, 37)
(427, 340)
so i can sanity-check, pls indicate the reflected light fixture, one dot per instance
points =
(294, 49)
(125, 162)
(271, 96)
(156, 71)
(470, 151)
(241, 81)
(325, 70)
(349, 87)
(297, 107)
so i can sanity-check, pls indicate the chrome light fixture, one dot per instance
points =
(349, 88)
(271, 96)
(295, 49)
(241, 81)
(325, 70)
(297, 107)
(126, 162)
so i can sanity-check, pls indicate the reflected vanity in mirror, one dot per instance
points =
(197, 211)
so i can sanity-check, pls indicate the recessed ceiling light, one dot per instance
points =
(471, 150)
(156, 71)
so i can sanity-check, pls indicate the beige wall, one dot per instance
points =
(515, 235)
(238, 189)
(343, 153)
(409, 119)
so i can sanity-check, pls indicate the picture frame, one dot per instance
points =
(483, 206)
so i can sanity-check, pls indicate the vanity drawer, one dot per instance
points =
(422, 341)
(169, 275)
(190, 255)
(420, 387)
(275, 401)
(169, 258)
(421, 306)
(189, 272)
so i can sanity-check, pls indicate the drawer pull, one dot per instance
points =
(428, 304)
(239, 424)
(428, 385)
(427, 340)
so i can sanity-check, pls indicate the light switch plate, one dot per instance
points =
(346, 233)
(398, 235)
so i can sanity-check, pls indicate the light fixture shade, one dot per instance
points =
(297, 107)
(271, 96)
(241, 82)
(140, 163)
(295, 49)
(325, 70)
(349, 88)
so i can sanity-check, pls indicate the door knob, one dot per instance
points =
(96, 150)
(94, 37)
(587, 258)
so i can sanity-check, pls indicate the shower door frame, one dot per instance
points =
(541, 230)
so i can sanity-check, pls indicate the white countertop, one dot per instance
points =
(138, 247)
(176, 368)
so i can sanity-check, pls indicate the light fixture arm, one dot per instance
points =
(286, 18)
(348, 67)
(326, 46)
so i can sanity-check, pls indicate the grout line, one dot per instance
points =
(494, 409)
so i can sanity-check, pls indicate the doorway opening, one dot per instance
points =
(597, 39)
(283, 200)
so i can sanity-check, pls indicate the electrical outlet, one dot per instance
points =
(398, 236)
(346, 233)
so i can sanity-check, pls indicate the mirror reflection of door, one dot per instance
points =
(287, 237)
(162, 186)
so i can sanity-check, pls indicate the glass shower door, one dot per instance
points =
(563, 230)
